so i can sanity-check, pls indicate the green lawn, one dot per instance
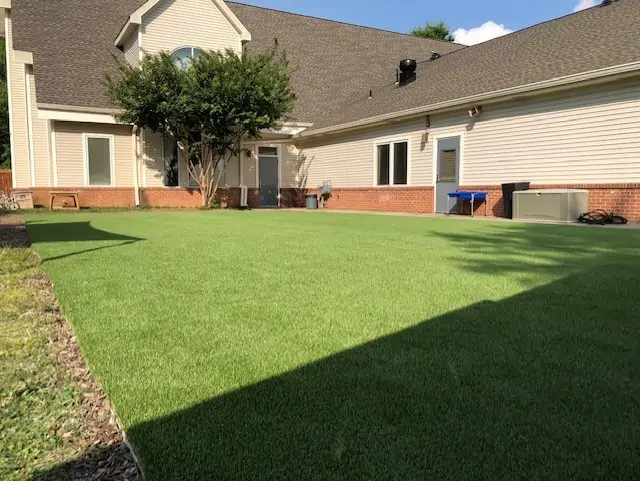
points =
(297, 346)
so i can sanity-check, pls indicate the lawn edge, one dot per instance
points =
(104, 436)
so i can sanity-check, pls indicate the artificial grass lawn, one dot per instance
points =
(280, 345)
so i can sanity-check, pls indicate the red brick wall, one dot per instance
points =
(292, 198)
(89, 196)
(621, 199)
(418, 200)
(176, 197)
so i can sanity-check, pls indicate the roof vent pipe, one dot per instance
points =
(435, 56)
(407, 71)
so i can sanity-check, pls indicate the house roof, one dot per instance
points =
(337, 64)
(333, 60)
(589, 40)
(73, 44)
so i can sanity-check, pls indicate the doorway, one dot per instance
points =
(447, 172)
(268, 176)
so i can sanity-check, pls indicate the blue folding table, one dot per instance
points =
(470, 196)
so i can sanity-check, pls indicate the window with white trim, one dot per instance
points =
(392, 163)
(183, 56)
(99, 160)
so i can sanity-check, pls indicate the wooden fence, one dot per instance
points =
(5, 180)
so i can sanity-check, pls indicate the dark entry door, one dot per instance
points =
(448, 172)
(268, 174)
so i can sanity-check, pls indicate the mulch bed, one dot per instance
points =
(101, 451)
(13, 232)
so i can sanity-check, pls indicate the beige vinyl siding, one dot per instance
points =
(580, 136)
(40, 138)
(153, 160)
(588, 137)
(179, 23)
(249, 169)
(19, 128)
(70, 152)
(291, 171)
(349, 160)
(232, 176)
(132, 50)
(290, 167)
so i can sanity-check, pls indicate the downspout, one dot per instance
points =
(136, 171)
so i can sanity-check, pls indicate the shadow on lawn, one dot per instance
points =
(559, 250)
(542, 385)
(75, 232)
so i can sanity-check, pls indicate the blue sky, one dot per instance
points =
(490, 17)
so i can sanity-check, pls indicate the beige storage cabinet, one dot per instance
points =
(24, 199)
(559, 205)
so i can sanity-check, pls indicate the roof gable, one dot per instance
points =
(135, 19)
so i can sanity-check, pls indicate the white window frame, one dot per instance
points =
(390, 142)
(112, 157)
(192, 47)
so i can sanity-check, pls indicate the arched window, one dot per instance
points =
(182, 57)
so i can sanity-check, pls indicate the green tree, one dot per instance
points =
(437, 31)
(208, 105)
(5, 138)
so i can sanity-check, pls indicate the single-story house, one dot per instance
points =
(556, 104)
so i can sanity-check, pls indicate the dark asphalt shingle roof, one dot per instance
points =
(334, 61)
(337, 63)
(592, 39)
(72, 43)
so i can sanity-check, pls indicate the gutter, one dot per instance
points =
(75, 108)
(625, 70)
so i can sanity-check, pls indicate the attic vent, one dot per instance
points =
(407, 72)
(435, 56)
(607, 2)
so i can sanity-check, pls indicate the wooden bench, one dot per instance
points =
(74, 195)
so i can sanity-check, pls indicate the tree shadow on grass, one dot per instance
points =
(535, 248)
(542, 385)
(75, 232)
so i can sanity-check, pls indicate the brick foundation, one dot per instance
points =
(418, 200)
(622, 199)
(89, 196)
(176, 197)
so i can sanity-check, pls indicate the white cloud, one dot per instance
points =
(485, 32)
(584, 4)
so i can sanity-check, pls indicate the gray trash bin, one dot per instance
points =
(507, 195)
(312, 201)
